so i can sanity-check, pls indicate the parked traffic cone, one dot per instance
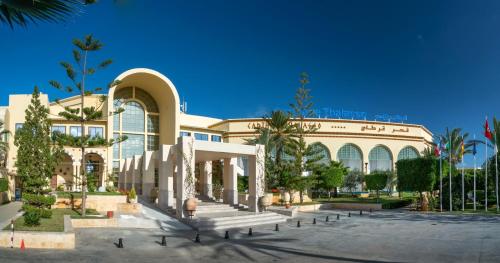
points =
(22, 245)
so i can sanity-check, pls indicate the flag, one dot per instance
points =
(462, 149)
(447, 145)
(487, 131)
(437, 150)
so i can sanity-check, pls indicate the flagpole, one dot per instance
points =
(474, 173)
(496, 168)
(449, 153)
(486, 173)
(440, 180)
(463, 188)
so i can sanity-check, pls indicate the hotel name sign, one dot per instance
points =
(317, 125)
(331, 113)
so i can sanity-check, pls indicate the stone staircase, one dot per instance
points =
(213, 216)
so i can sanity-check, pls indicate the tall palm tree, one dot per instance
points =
(22, 12)
(496, 133)
(4, 145)
(281, 133)
(456, 137)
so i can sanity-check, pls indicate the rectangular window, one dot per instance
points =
(153, 124)
(116, 146)
(59, 129)
(201, 136)
(95, 132)
(153, 142)
(185, 134)
(157, 177)
(134, 145)
(216, 138)
(75, 131)
(19, 126)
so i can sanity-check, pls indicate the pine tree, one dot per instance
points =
(37, 158)
(82, 113)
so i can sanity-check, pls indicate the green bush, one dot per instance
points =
(111, 188)
(132, 195)
(45, 213)
(32, 217)
(376, 181)
(397, 203)
(41, 201)
(4, 185)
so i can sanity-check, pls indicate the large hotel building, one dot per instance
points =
(153, 118)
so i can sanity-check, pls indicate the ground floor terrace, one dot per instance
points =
(176, 173)
(380, 237)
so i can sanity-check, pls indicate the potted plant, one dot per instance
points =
(265, 201)
(132, 196)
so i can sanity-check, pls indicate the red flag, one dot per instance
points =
(487, 132)
(437, 152)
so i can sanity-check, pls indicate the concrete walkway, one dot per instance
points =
(8, 211)
(151, 218)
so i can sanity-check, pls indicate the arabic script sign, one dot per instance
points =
(330, 113)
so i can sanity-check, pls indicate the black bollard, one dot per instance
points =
(327, 219)
(371, 210)
(250, 233)
(163, 241)
(314, 221)
(349, 215)
(120, 242)
(360, 212)
(338, 216)
(277, 228)
(298, 223)
(197, 239)
(227, 235)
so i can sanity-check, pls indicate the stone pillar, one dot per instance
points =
(206, 179)
(230, 180)
(121, 176)
(148, 173)
(136, 174)
(166, 175)
(185, 173)
(256, 183)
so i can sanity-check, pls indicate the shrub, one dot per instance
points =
(45, 213)
(417, 175)
(111, 188)
(32, 217)
(60, 187)
(398, 203)
(40, 201)
(132, 195)
(4, 185)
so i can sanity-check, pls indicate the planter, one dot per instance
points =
(110, 214)
(287, 206)
(265, 201)
(190, 205)
(133, 201)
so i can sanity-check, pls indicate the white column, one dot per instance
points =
(121, 175)
(185, 173)
(128, 173)
(148, 173)
(206, 179)
(256, 183)
(166, 175)
(230, 181)
(136, 174)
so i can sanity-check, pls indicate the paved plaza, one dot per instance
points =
(380, 237)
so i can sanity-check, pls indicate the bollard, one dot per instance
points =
(12, 233)
(277, 228)
(314, 221)
(163, 241)
(327, 219)
(250, 233)
(226, 236)
(371, 210)
(349, 215)
(338, 216)
(298, 223)
(120, 242)
(360, 212)
(197, 239)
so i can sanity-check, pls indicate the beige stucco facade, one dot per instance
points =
(154, 122)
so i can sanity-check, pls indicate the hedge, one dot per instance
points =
(4, 185)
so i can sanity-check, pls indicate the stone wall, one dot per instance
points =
(101, 203)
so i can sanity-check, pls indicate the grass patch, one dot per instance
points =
(53, 224)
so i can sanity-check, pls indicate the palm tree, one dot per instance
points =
(281, 133)
(4, 145)
(495, 133)
(22, 12)
(454, 141)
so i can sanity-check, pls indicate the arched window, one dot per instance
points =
(321, 153)
(380, 159)
(139, 121)
(408, 152)
(350, 155)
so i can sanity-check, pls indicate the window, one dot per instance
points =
(350, 156)
(96, 132)
(133, 117)
(19, 126)
(153, 142)
(75, 131)
(201, 136)
(153, 124)
(407, 153)
(116, 146)
(185, 134)
(134, 145)
(59, 129)
(380, 159)
(320, 153)
(157, 177)
(216, 138)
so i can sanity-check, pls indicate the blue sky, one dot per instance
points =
(438, 62)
